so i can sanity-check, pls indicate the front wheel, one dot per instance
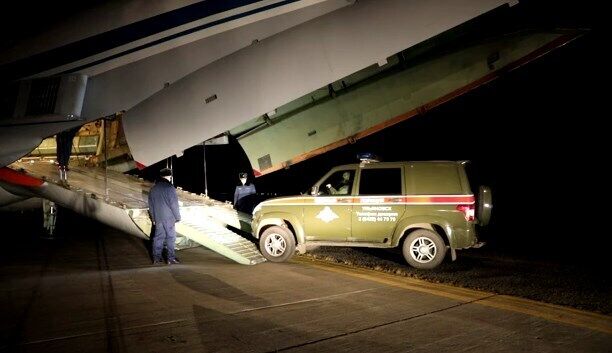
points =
(277, 244)
(424, 249)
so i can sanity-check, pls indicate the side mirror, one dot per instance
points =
(314, 191)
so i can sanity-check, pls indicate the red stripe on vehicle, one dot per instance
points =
(441, 199)
(467, 199)
(347, 200)
(416, 199)
(12, 177)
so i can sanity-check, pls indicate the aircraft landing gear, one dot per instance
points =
(49, 219)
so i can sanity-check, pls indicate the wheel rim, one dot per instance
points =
(275, 245)
(423, 250)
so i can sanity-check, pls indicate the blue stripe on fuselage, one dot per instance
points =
(120, 36)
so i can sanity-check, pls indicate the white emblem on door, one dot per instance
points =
(327, 215)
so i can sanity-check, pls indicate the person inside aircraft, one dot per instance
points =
(63, 142)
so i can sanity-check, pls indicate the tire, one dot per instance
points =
(424, 249)
(277, 244)
(485, 204)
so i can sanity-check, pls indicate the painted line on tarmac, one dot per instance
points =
(304, 301)
(447, 291)
(550, 312)
(370, 328)
(100, 332)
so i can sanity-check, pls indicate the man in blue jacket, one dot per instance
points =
(164, 212)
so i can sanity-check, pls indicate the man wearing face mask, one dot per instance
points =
(164, 212)
(242, 191)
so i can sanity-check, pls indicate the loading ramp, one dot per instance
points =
(120, 201)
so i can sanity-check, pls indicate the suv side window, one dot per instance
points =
(339, 183)
(380, 181)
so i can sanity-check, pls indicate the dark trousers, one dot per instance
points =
(164, 233)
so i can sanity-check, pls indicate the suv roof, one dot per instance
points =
(426, 177)
(397, 162)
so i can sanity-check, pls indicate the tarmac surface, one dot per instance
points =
(560, 281)
(94, 290)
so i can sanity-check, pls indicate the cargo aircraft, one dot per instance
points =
(289, 79)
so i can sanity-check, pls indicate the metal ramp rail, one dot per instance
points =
(216, 236)
(122, 203)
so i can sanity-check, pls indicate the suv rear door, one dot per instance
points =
(379, 203)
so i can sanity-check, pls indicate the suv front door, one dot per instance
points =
(328, 216)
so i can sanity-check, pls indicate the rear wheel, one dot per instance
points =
(277, 244)
(424, 249)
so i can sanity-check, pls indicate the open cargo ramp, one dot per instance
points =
(121, 202)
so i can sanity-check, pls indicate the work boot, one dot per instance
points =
(173, 261)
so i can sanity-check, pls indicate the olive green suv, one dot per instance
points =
(423, 207)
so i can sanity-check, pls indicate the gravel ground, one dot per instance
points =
(584, 287)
